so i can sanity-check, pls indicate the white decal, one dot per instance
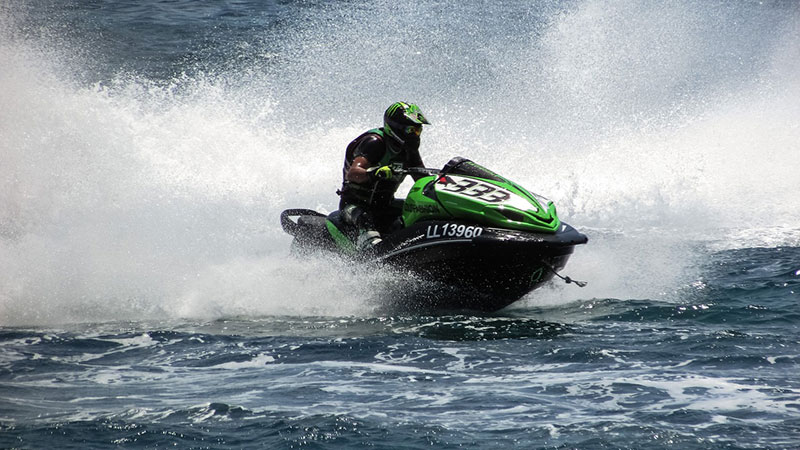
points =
(452, 230)
(471, 188)
(485, 192)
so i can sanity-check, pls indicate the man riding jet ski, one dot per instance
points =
(368, 179)
(479, 240)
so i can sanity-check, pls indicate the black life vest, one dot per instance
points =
(373, 192)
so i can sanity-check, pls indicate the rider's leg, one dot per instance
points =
(363, 220)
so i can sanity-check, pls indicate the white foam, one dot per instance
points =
(648, 125)
(259, 361)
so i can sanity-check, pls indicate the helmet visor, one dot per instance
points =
(413, 130)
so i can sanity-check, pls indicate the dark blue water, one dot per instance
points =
(147, 299)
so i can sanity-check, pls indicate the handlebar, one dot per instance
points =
(425, 171)
(409, 170)
(420, 171)
(450, 166)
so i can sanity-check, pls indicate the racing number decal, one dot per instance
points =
(461, 186)
(481, 191)
(498, 196)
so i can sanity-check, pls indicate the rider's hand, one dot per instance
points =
(383, 173)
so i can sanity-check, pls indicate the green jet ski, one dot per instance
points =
(482, 239)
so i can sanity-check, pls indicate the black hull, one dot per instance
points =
(485, 273)
(456, 265)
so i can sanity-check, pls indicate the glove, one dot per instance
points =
(383, 173)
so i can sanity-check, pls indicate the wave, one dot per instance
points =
(661, 129)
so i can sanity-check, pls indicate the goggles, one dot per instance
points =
(413, 129)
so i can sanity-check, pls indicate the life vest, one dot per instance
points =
(375, 192)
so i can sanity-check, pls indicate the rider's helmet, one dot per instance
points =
(402, 122)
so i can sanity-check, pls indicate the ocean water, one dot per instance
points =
(148, 300)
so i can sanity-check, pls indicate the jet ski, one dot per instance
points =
(481, 239)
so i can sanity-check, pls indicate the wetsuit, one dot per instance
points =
(368, 205)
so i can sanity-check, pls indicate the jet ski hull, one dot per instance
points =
(455, 265)
(485, 272)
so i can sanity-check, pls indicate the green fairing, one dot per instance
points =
(521, 211)
(341, 240)
(418, 207)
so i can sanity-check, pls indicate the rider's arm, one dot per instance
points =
(368, 154)
(358, 170)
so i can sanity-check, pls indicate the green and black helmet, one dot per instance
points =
(403, 123)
